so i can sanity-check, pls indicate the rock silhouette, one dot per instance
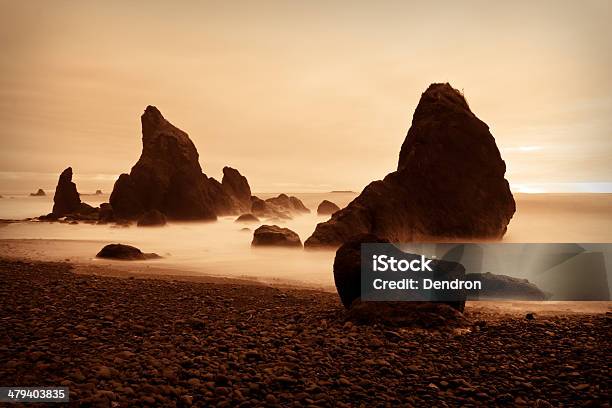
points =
(66, 199)
(347, 278)
(124, 253)
(168, 178)
(236, 186)
(98, 192)
(39, 193)
(281, 207)
(347, 267)
(273, 235)
(327, 208)
(449, 182)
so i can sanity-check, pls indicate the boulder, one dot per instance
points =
(289, 203)
(124, 253)
(151, 218)
(327, 208)
(168, 178)
(39, 193)
(347, 273)
(98, 192)
(505, 287)
(449, 183)
(347, 267)
(247, 218)
(273, 235)
(66, 199)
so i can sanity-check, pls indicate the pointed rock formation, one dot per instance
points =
(236, 186)
(66, 199)
(39, 193)
(168, 178)
(449, 183)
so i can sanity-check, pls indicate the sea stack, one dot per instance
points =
(449, 182)
(168, 178)
(66, 199)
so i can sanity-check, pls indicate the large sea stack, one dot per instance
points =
(66, 199)
(449, 182)
(168, 178)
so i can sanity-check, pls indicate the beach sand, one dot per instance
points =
(121, 341)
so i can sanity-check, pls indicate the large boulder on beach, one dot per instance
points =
(449, 182)
(168, 178)
(327, 208)
(39, 193)
(347, 278)
(152, 218)
(273, 235)
(124, 253)
(505, 287)
(66, 199)
(347, 267)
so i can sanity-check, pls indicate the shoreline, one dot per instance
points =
(148, 270)
(122, 341)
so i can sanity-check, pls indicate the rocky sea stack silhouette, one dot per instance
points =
(66, 199)
(449, 182)
(168, 178)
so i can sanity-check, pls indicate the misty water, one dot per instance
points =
(221, 248)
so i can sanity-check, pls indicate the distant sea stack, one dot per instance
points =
(168, 178)
(39, 193)
(66, 199)
(449, 182)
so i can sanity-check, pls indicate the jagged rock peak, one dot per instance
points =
(66, 199)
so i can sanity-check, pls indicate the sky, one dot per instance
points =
(301, 95)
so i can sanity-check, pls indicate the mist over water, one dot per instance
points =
(222, 249)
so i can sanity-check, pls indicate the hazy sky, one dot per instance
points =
(304, 95)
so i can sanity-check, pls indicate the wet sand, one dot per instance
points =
(164, 342)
